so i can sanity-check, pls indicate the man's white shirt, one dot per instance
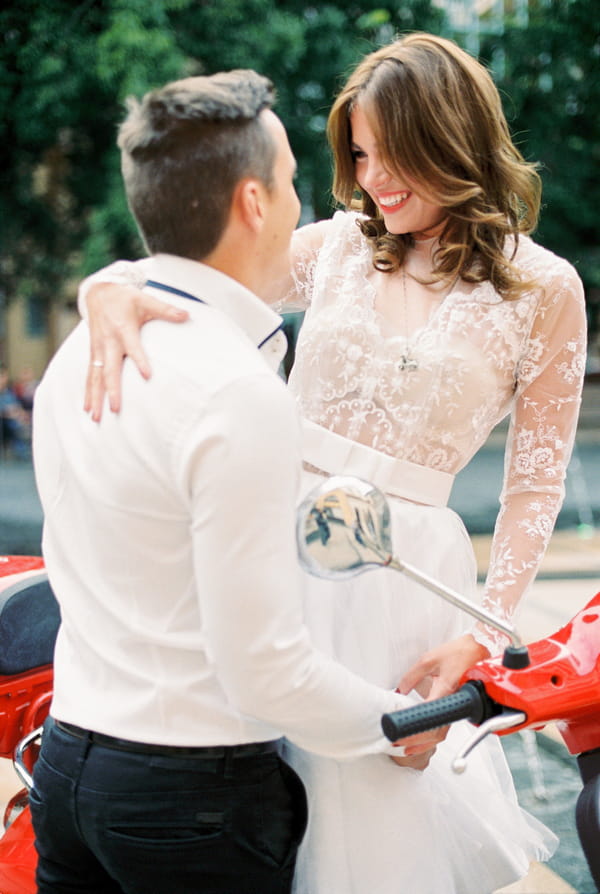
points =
(169, 539)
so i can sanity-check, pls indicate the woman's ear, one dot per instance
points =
(249, 203)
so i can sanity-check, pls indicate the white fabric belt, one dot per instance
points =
(336, 455)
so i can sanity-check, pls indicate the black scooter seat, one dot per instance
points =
(29, 621)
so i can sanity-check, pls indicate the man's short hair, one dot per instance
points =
(185, 147)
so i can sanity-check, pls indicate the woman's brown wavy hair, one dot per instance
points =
(438, 119)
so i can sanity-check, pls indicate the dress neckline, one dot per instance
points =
(388, 331)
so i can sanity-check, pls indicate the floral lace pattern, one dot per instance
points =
(479, 358)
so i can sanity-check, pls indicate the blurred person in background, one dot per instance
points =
(15, 433)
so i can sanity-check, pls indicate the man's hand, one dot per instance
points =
(116, 313)
(418, 761)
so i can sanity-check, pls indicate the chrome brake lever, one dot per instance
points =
(19, 762)
(493, 725)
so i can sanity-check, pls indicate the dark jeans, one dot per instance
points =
(114, 822)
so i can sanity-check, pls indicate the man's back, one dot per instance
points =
(138, 495)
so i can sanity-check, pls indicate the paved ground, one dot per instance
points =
(546, 775)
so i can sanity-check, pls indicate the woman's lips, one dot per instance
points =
(392, 201)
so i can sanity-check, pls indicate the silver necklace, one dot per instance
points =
(408, 362)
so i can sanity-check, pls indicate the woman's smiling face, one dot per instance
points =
(401, 206)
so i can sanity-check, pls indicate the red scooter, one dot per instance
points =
(560, 684)
(29, 619)
(344, 529)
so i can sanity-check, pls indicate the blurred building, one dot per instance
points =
(31, 331)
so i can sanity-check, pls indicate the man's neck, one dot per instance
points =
(239, 265)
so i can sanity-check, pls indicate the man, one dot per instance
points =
(169, 540)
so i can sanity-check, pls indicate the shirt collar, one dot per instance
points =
(217, 289)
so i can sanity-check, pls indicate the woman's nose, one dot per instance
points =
(376, 174)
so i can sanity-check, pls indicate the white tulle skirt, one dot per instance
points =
(375, 827)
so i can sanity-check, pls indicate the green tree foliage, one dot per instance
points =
(64, 70)
(66, 67)
(307, 50)
(549, 75)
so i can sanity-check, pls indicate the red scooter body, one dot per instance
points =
(25, 694)
(18, 857)
(561, 683)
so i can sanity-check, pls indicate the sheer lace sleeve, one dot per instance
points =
(130, 273)
(539, 445)
(296, 292)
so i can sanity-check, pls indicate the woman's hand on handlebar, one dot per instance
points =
(444, 665)
(116, 313)
(442, 668)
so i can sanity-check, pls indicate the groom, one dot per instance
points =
(182, 655)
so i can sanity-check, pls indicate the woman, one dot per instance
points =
(431, 315)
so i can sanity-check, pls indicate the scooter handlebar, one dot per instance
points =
(467, 703)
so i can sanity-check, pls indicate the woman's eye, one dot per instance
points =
(358, 154)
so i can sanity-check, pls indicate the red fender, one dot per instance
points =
(561, 683)
(18, 857)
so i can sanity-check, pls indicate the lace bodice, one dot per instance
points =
(479, 359)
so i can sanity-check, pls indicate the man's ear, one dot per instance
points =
(249, 203)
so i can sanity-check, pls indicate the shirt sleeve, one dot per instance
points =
(240, 476)
(129, 273)
(539, 445)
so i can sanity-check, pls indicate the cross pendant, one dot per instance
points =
(407, 363)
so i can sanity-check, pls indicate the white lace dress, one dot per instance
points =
(376, 828)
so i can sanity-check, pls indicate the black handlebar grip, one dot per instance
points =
(468, 703)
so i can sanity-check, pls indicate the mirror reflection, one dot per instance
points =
(343, 528)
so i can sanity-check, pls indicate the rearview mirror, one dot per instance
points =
(344, 528)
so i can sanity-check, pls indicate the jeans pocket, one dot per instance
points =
(194, 829)
(271, 822)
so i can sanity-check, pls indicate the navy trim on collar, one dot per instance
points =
(161, 285)
(174, 291)
(270, 336)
